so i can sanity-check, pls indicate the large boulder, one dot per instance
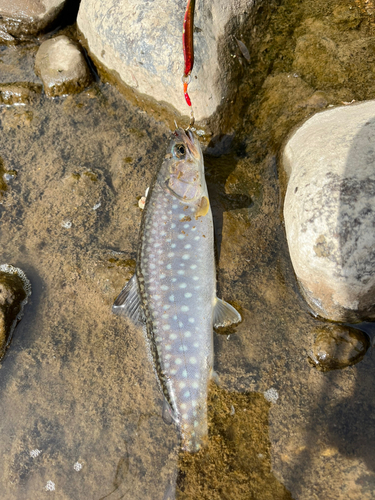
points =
(20, 19)
(330, 211)
(141, 42)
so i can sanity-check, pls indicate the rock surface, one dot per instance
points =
(141, 42)
(20, 19)
(15, 289)
(330, 209)
(61, 67)
(337, 347)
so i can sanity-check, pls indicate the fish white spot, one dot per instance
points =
(156, 245)
(193, 266)
(187, 247)
(193, 228)
(166, 327)
(168, 266)
(181, 271)
(173, 245)
(183, 348)
(173, 336)
(187, 334)
(181, 236)
(174, 280)
(175, 317)
(168, 356)
(195, 278)
(158, 339)
(180, 324)
(166, 307)
(186, 256)
(165, 316)
(185, 416)
(187, 394)
(173, 225)
(184, 308)
(188, 295)
(191, 320)
(197, 238)
(171, 298)
(152, 266)
(170, 254)
(182, 285)
(195, 385)
(173, 371)
(183, 406)
(186, 226)
(196, 344)
(156, 297)
(164, 287)
(162, 276)
(174, 207)
(178, 361)
(168, 347)
(163, 233)
(196, 423)
(168, 240)
(181, 385)
(182, 265)
(164, 217)
(193, 360)
(184, 374)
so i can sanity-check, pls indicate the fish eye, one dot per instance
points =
(179, 150)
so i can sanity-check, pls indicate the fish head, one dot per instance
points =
(182, 172)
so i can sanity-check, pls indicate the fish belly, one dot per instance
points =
(178, 267)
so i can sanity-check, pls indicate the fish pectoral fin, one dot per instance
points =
(225, 314)
(167, 413)
(128, 303)
(203, 207)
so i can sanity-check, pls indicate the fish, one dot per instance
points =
(173, 291)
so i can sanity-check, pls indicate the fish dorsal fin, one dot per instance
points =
(128, 303)
(225, 314)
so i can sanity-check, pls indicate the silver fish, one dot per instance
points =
(173, 292)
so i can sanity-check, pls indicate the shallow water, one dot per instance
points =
(76, 383)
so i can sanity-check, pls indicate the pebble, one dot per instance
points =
(15, 289)
(337, 347)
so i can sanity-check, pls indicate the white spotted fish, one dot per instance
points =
(173, 291)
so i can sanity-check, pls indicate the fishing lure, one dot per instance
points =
(188, 47)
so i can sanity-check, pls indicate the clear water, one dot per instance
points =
(76, 383)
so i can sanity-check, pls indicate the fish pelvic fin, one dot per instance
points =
(128, 303)
(225, 314)
(167, 414)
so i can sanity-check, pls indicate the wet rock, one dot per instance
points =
(141, 42)
(21, 19)
(62, 67)
(337, 346)
(15, 289)
(18, 93)
(329, 211)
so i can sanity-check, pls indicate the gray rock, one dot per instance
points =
(15, 289)
(20, 19)
(141, 42)
(61, 67)
(330, 211)
(337, 347)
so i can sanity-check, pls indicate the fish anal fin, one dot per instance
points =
(128, 303)
(225, 314)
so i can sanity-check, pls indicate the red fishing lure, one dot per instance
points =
(188, 46)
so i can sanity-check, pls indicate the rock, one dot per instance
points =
(61, 67)
(330, 211)
(21, 19)
(141, 42)
(15, 289)
(337, 346)
(19, 93)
